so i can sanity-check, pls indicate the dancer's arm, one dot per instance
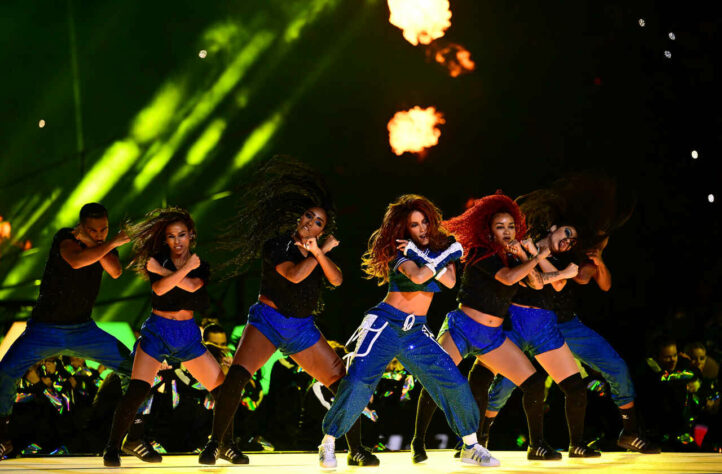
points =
(79, 257)
(510, 276)
(188, 284)
(167, 283)
(330, 270)
(595, 268)
(111, 264)
(448, 277)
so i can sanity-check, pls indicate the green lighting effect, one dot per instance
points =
(221, 195)
(257, 140)
(205, 106)
(98, 181)
(152, 121)
(207, 141)
(39, 211)
(293, 31)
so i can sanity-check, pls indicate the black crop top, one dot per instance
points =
(178, 299)
(482, 291)
(564, 303)
(542, 298)
(295, 300)
(67, 295)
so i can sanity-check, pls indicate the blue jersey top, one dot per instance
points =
(401, 283)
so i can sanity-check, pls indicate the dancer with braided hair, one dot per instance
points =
(490, 231)
(283, 214)
(414, 254)
(162, 253)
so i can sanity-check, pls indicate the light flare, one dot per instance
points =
(414, 130)
(422, 21)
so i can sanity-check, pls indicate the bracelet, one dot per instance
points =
(440, 274)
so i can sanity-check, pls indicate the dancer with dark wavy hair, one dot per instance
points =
(283, 214)
(162, 247)
(607, 210)
(413, 253)
(490, 231)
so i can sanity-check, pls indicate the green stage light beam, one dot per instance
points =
(223, 86)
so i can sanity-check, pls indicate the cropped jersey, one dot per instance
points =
(482, 291)
(179, 299)
(401, 283)
(295, 300)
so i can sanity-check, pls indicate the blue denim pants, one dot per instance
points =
(40, 341)
(386, 333)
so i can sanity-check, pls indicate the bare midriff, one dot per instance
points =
(525, 306)
(413, 302)
(182, 315)
(481, 317)
(267, 301)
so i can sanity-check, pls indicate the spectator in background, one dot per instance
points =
(663, 390)
(696, 352)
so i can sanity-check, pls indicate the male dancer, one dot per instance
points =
(592, 349)
(60, 322)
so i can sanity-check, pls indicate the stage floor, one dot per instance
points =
(439, 461)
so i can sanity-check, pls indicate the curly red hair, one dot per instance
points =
(382, 244)
(473, 228)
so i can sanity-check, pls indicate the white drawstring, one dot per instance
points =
(409, 322)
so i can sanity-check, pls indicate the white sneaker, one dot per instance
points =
(327, 456)
(479, 456)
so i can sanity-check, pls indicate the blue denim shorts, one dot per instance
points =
(170, 339)
(289, 335)
(536, 329)
(471, 337)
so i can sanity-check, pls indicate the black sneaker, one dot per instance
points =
(543, 452)
(363, 457)
(141, 449)
(6, 447)
(232, 454)
(418, 451)
(635, 442)
(210, 453)
(583, 452)
(111, 457)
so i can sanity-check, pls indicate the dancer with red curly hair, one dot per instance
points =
(490, 231)
(413, 253)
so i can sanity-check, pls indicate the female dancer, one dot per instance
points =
(294, 266)
(413, 253)
(495, 263)
(162, 251)
(557, 222)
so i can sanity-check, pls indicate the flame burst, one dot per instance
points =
(454, 57)
(414, 130)
(422, 20)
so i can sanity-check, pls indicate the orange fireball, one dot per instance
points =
(414, 130)
(422, 21)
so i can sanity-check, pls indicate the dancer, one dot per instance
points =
(495, 263)
(413, 253)
(61, 319)
(162, 251)
(593, 350)
(573, 213)
(295, 264)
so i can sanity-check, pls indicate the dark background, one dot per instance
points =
(558, 87)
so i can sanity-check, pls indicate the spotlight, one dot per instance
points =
(642, 23)
(710, 198)
(41, 123)
(695, 155)
(202, 54)
(672, 36)
(668, 54)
